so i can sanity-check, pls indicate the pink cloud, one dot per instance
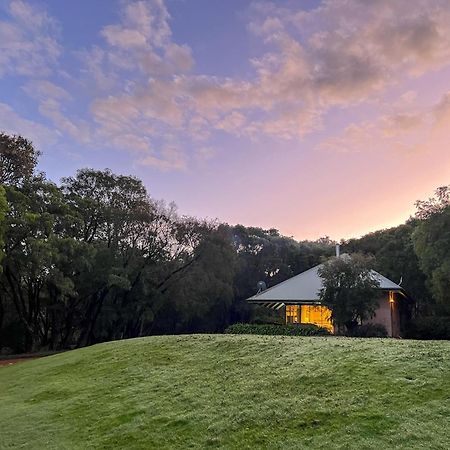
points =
(28, 41)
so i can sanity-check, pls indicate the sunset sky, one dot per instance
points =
(314, 117)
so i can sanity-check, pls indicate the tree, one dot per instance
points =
(18, 159)
(432, 245)
(434, 205)
(35, 209)
(349, 290)
(3, 211)
(395, 257)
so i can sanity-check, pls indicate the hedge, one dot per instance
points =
(432, 327)
(369, 330)
(277, 330)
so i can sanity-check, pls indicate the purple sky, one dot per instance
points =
(313, 117)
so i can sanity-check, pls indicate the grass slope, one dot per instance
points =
(226, 391)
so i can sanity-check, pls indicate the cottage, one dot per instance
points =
(299, 298)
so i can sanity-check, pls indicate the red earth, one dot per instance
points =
(10, 362)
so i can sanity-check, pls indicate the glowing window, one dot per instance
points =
(318, 315)
(293, 314)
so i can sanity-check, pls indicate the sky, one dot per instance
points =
(318, 118)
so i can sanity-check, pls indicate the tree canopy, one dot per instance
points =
(3, 211)
(96, 258)
(432, 245)
(349, 290)
(18, 159)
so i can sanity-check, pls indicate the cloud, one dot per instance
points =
(42, 89)
(424, 130)
(147, 93)
(355, 138)
(203, 154)
(29, 16)
(13, 123)
(231, 122)
(28, 41)
(352, 49)
(339, 54)
(399, 123)
(51, 99)
(142, 41)
(136, 72)
(171, 158)
(179, 57)
(441, 111)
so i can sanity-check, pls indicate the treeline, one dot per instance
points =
(95, 258)
(417, 255)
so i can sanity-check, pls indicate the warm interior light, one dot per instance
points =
(293, 314)
(315, 314)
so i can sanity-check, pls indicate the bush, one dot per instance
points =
(277, 330)
(433, 327)
(370, 330)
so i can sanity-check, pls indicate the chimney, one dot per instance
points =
(338, 250)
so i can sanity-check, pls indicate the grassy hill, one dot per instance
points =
(221, 391)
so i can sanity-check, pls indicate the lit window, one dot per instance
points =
(318, 315)
(292, 314)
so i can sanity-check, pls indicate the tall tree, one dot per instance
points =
(349, 290)
(18, 159)
(395, 257)
(201, 299)
(34, 212)
(432, 245)
(3, 211)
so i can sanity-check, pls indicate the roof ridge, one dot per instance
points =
(386, 278)
(285, 281)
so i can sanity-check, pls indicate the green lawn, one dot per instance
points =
(224, 391)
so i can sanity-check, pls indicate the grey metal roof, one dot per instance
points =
(305, 287)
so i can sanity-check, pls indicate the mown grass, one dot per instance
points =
(227, 391)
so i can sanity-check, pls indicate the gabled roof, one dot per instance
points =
(305, 287)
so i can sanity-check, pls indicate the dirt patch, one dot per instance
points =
(10, 362)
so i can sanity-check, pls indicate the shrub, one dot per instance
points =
(433, 327)
(277, 330)
(370, 330)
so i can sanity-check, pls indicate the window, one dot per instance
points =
(318, 315)
(292, 314)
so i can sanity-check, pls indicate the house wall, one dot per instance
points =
(387, 314)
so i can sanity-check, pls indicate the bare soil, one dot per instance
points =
(10, 362)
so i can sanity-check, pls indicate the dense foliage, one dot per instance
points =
(375, 330)
(95, 258)
(431, 327)
(349, 290)
(18, 159)
(432, 245)
(3, 211)
(394, 256)
(277, 330)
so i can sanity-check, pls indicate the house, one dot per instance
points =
(299, 298)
